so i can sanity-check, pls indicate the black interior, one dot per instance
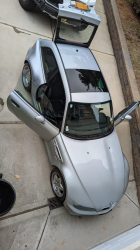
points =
(53, 95)
(56, 95)
(52, 99)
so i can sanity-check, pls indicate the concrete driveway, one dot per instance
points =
(30, 224)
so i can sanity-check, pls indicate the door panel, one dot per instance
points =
(27, 114)
(121, 115)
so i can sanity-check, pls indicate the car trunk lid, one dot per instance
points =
(76, 26)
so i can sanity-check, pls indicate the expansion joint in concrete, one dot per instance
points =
(42, 232)
(21, 30)
(101, 12)
(131, 200)
(24, 212)
(102, 52)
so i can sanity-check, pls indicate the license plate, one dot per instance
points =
(81, 6)
(64, 20)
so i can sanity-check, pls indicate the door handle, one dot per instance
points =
(40, 118)
(15, 104)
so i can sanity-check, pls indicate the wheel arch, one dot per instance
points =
(26, 61)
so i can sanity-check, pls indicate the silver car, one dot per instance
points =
(72, 111)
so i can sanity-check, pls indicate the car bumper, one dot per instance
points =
(74, 211)
(47, 8)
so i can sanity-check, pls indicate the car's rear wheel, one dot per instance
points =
(27, 4)
(26, 77)
(58, 185)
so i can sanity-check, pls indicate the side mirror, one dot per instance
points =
(125, 113)
(128, 117)
(40, 118)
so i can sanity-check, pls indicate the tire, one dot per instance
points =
(59, 192)
(27, 4)
(26, 77)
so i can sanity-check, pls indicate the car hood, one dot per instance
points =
(99, 165)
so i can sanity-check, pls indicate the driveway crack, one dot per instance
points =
(42, 231)
(16, 29)
(24, 212)
(102, 52)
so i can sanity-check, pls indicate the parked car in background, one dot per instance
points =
(56, 8)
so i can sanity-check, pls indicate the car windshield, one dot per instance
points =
(86, 120)
(75, 31)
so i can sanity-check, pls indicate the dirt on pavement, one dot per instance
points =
(131, 26)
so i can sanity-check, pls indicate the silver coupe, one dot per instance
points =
(72, 111)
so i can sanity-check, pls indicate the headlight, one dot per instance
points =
(79, 207)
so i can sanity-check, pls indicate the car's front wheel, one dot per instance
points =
(58, 185)
(27, 4)
(26, 77)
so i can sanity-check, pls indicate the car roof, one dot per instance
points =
(80, 58)
(76, 57)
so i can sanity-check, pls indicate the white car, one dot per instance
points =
(73, 113)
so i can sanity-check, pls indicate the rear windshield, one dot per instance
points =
(82, 80)
(75, 31)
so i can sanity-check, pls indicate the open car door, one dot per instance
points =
(125, 113)
(30, 116)
(75, 25)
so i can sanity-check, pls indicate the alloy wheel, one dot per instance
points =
(26, 76)
(57, 184)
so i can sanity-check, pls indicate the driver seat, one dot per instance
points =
(56, 95)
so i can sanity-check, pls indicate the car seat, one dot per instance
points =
(56, 95)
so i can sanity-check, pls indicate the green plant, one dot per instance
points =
(136, 5)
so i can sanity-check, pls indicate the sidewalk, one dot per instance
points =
(30, 225)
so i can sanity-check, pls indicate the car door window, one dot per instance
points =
(49, 62)
(52, 94)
